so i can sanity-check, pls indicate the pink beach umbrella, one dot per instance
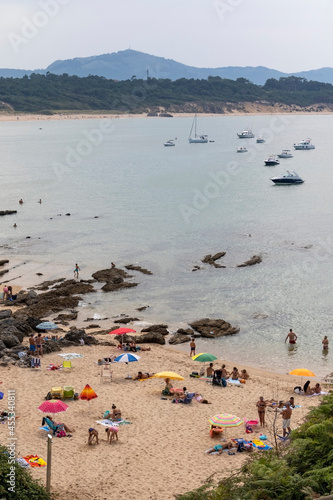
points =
(122, 331)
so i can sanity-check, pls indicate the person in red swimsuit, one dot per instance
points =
(292, 337)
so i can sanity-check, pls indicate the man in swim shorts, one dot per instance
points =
(220, 447)
(286, 416)
(192, 346)
(292, 337)
(32, 344)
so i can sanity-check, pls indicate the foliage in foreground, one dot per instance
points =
(303, 472)
(23, 487)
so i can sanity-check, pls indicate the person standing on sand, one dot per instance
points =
(39, 344)
(325, 343)
(32, 344)
(261, 405)
(210, 370)
(292, 337)
(76, 271)
(192, 346)
(286, 416)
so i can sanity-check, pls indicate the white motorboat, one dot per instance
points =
(260, 140)
(271, 161)
(288, 178)
(305, 144)
(286, 153)
(196, 139)
(241, 150)
(246, 134)
(170, 142)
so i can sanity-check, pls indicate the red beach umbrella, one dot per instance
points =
(122, 331)
(53, 406)
(88, 393)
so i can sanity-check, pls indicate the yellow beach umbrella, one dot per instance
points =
(302, 372)
(170, 375)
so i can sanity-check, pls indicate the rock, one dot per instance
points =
(93, 326)
(256, 259)
(196, 268)
(150, 338)
(142, 308)
(5, 313)
(9, 339)
(74, 335)
(15, 327)
(259, 315)
(179, 338)
(165, 115)
(114, 278)
(3, 262)
(152, 113)
(131, 267)
(219, 327)
(66, 317)
(2, 346)
(210, 259)
(7, 212)
(161, 329)
(39, 274)
(112, 287)
(187, 331)
(5, 360)
(125, 320)
(3, 272)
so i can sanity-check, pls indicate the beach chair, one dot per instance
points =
(35, 363)
(57, 393)
(52, 427)
(68, 392)
(67, 365)
(106, 372)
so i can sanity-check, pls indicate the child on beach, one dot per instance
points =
(92, 436)
(112, 433)
(76, 271)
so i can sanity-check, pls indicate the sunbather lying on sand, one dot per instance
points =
(142, 376)
(220, 447)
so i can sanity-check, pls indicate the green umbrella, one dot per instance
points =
(204, 357)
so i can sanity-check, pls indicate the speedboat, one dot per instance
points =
(306, 144)
(170, 142)
(271, 161)
(288, 178)
(246, 134)
(241, 150)
(260, 140)
(286, 153)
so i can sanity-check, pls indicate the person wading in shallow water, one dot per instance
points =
(291, 336)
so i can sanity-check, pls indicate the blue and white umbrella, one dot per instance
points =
(127, 358)
(47, 325)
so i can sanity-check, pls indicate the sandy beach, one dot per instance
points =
(162, 452)
(246, 109)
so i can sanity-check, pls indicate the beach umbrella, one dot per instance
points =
(225, 420)
(204, 357)
(47, 325)
(122, 331)
(53, 406)
(302, 372)
(127, 358)
(88, 393)
(170, 375)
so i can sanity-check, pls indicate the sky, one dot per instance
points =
(287, 35)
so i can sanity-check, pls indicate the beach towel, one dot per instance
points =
(70, 355)
(107, 423)
(35, 461)
(22, 462)
(236, 382)
(322, 393)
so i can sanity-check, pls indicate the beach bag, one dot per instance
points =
(61, 433)
(298, 389)
(48, 396)
(194, 374)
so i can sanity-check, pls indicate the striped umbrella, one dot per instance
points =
(225, 420)
(47, 325)
(127, 358)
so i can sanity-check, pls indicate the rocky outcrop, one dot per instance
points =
(160, 329)
(114, 279)
(150, 338)
(212, 328)
(142, 308)
(7, 212)
(211, 259)
(5, 313)
(124, 321)
(74, 335)
(3, 262)
(165, 115)
(256, 259)
(131, 267)
(179, 338)
(66, 317)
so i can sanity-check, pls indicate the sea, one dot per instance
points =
(111, 191)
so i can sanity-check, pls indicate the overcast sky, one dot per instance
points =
(287, 35)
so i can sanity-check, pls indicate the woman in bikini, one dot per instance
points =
(261, 405)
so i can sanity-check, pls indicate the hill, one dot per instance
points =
(124, 64)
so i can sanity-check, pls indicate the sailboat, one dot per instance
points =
(196, 138)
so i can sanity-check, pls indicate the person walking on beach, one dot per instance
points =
(286, 416)
(192, 346)
(76, 271)
(261, 405)
(325, 343)
(291, 336)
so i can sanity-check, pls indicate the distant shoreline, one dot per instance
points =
(240, 109)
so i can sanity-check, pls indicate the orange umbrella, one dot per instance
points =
(88, 393)
(302, 372)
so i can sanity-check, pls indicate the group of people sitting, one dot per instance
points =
(181, 394)
(8, 293)
(309, 391)
(114, 415)
(223, 373)
(131, 346)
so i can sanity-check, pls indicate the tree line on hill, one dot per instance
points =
(54, 93)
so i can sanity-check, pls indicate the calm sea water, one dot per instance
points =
(132, 200)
